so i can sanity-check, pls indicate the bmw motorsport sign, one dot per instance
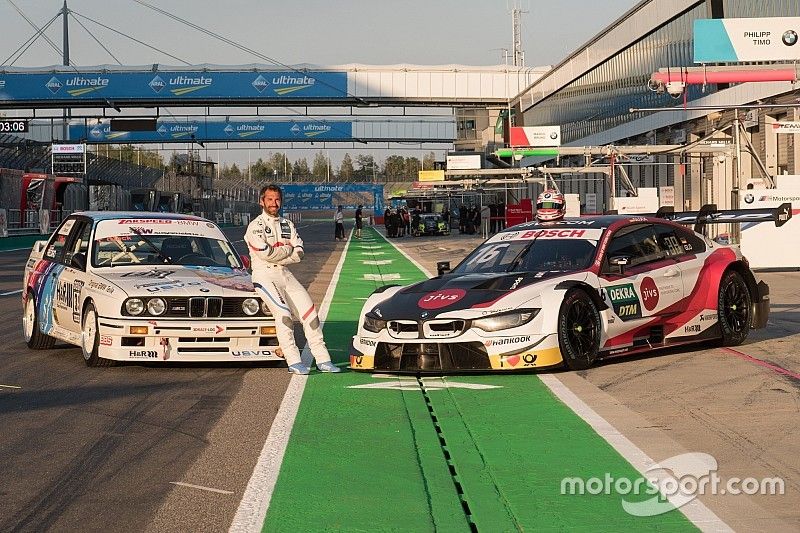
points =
(754, 39)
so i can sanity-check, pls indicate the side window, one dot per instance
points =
(55, 247)
(639, 243)
(669, 241)
(78, 241)
(691, 242)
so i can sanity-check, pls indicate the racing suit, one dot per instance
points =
(273, 243)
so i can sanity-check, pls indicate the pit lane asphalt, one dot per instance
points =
(741, 406)
(100, 448)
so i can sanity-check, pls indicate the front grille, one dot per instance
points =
(403, 329)
(201, 307)
(442, 329)
(431, 357)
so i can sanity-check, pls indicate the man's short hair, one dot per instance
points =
(271, 187)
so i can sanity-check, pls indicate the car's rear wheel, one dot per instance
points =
(733, 309)
(90, 338)
(578, 330)
(34, 337)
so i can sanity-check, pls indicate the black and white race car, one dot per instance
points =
(569, 292)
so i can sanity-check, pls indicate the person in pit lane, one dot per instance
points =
(273, 243)
(550, 206)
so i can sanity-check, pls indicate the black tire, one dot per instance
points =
(734, 306)
(34, 338)
(90, 338)
(578, 330)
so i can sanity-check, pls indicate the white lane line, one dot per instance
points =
(255, 503)
(383, 277)
(361, 298)
(373, 253)
(413, 261)
(9, 387)
(11, 292)
(209, 489)
(700, 515)
(379, 262)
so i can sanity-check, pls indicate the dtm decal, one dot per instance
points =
(625, 301)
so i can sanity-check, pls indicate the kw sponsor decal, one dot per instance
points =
(286, 84)
(649, 293)
(143, 354)
(625, 301)
(507, 340)
(251, 353)
(443, 298)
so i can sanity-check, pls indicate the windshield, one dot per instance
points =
(121, 250)
(545, 255)
(161, 241)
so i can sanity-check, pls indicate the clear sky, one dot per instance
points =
(322, 32)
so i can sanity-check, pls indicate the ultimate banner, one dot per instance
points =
(323, 196)
(169, 86)
(217, 131)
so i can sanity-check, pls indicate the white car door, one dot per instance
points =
(68, 299)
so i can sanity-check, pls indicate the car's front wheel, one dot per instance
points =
(90, 338)
(733, 309)
(578, 330)
(34, 337)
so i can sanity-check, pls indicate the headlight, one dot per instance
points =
(375, 325)
(134, 306)
(505, 320)
(250, 306)
(156, 306)
(264, 307)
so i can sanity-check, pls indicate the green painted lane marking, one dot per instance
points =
(362, 460)
(372, 459)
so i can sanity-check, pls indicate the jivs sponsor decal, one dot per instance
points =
(649, 293)
(625, 301)
(443, 298)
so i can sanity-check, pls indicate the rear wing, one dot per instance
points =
(709, 214)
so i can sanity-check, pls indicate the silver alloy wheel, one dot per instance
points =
(89, 333)
(29, 318)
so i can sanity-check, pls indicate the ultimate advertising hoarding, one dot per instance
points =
(170, 85)
(217, 131)
(325, 196)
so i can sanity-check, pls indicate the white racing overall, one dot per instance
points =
(273, 242)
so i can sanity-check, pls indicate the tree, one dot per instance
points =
(395, 168)
(261, 170)
(428, 161)
(365, 168)
(413, 166)
(280, 163)
(300, 169)
(136, 156)
(321, 166)
(346, 169)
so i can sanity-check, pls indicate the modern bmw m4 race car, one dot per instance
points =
(144, 287)
(542, 294)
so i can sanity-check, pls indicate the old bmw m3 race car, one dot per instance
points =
(568, 292)
(144, 287)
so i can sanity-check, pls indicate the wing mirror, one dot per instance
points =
(245, 261)
(619, 262)
(442, 267)
(78, 261)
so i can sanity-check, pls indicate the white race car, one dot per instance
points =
(569, 292)
(144, 287)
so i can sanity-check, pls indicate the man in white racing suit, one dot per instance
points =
(273, 243)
